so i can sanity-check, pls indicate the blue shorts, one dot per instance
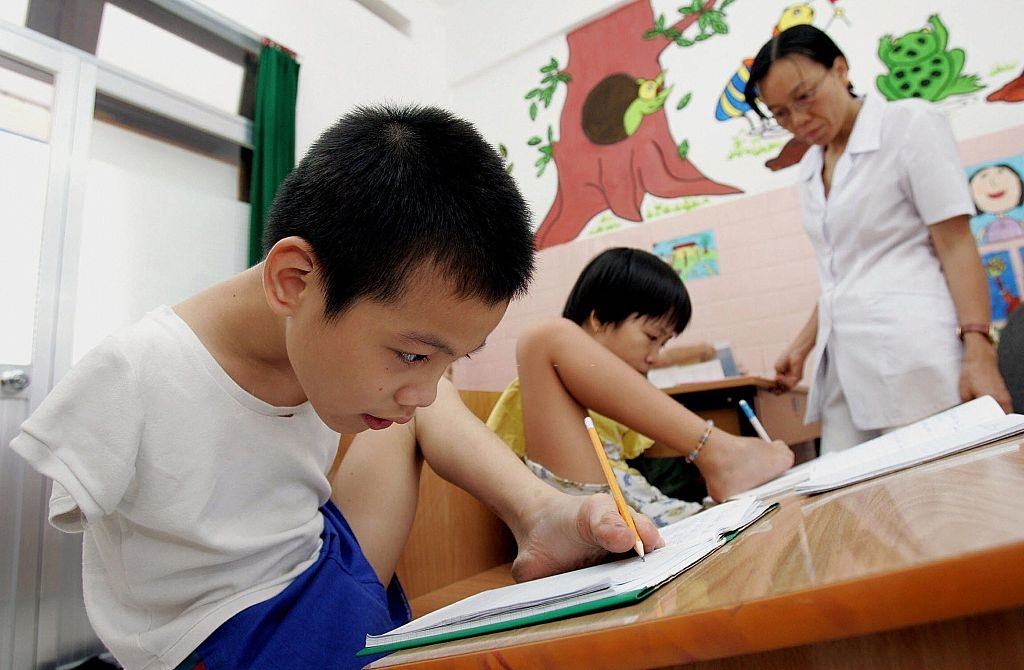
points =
(319, 621)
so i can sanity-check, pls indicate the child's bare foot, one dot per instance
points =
(570, 532)
(732, 464)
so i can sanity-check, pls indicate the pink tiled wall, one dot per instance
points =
(765, 292)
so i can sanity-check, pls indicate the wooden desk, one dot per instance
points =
(920, 569)
(782, 415)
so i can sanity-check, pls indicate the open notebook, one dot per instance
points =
(973, 424)
(590, 589)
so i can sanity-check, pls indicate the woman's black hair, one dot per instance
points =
(804, 40)
(621, 282)
(1020, 200)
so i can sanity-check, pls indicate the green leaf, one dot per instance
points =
(546, 150)
(533, 93)
(534, 141)
(684, 148)
(503, 150)
(683, 42)
(704, 21)
(508, 168)
(564, 78)
(697, 5)
(533, 111)
(551, 136)
(651, 34)
(659, 24)
(703, 36)
(684, 101)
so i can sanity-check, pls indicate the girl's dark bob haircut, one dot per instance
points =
(622, 282)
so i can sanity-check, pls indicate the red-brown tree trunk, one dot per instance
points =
(593, 177)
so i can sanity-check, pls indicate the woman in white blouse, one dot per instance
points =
(902, 328)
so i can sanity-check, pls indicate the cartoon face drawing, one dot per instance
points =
(997, 189)
(649, 87)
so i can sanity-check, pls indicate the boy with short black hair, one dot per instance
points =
(191, 447)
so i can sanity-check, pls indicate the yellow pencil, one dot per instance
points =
(620, 503)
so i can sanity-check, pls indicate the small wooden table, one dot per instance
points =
(782, 415)
(919, 569)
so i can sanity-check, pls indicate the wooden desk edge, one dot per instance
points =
(967, 585)
(727, 382)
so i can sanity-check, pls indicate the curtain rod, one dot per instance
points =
(266, 41)
(219, 25)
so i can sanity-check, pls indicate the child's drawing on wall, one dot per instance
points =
(1002, 285)
(998, 193)
(691, 256)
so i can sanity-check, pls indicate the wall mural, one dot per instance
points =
(1012, 91)
(997, 188)
(764, 136)
(616, 142)
(922, 66)
(614, 145)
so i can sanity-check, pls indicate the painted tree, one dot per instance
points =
(599, 166)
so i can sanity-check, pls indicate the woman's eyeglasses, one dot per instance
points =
(800, 102)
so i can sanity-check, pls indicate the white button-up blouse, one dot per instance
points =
(885, 313)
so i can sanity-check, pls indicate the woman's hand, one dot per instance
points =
(980, 373)
(789, 368)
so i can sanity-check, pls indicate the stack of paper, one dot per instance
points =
(675, 375)
(598, 587)
(941, 435)
(972, 424)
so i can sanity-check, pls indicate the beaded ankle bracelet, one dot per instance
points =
(692, 456)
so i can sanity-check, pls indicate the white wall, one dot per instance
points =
(348, 56)
(482, 34)
(14, 11)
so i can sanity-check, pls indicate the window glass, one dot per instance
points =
(139, 47)
(159, 224)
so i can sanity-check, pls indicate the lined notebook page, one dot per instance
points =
(963, 427)
(936, 436)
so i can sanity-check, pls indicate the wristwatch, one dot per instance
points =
(985, 329)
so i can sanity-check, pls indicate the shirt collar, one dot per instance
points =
(867, 129)
(810, 164)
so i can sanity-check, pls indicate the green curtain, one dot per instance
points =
(273, 138)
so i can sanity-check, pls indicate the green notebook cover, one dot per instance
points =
(577, 609)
